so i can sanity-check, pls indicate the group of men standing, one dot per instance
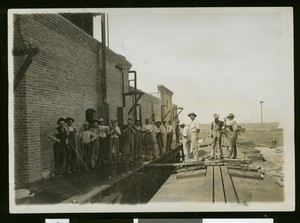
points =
(74, 150)
(227, 129)
(96, 144)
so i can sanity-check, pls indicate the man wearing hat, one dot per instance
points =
(95, 144)
(103, 142)
(72, 152)
(215, 132)
(170, 131)
(177, 132)
(60, 146)
(87, 137)
(159, 137)
(164, 127)
(194, 134)
(185, 139)
(114, 146)
(148, 140)
(129, 133)
(231, 128)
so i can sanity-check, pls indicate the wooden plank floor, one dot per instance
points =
(230, 196)
(217, 186)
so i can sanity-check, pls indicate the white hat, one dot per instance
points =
(216, 115)
(192, 113)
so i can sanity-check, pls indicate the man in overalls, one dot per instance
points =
(231, 128)
(215, 132)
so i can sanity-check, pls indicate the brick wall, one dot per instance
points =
(166, 97)
(153, 104)
(150, 107)
(63, 80)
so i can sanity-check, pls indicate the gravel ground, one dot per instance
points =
(273, 166)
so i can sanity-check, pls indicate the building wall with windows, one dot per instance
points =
(64, 79)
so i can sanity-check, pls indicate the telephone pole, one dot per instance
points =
(261, 121)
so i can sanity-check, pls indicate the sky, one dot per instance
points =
(214, 60)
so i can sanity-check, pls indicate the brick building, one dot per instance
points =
(58, 73)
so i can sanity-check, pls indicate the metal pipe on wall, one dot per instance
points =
(135, 87)
(121, 68)
(103, 36)
(140, 112)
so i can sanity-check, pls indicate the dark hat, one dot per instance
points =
(129, 119)
(231, 115)
(69, 118)
(158, 122)
(95, 120)
(114, 120)
(60, 119)
(192, 113)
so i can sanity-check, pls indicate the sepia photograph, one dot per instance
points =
(151, 110)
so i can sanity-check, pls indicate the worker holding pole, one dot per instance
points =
(72, 156)
(60, 146)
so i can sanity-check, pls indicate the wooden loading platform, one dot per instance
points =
(219, 181)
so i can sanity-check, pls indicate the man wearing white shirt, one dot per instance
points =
(170, 130)
(231, 129)
(185, 139)
(148, 140)
(159, 137)
(194, 134)
(103, 142)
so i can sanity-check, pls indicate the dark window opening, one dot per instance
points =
(83, 20)
(90, 115)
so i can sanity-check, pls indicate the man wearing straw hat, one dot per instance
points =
(148, 140)
(194, 134)
(87, 137)
(215, 132)
(60, 146)
(159, 137)
(232, 129)
(72, 152)
(185, 139)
